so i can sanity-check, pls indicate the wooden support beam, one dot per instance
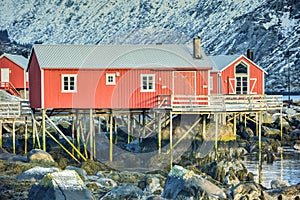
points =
(83, 139)
(184, 135)
(110, 137)
(73, 132)
(116, 131)
(128, 128)
(234, 124)
(159, 132)
(14, 136)
(63, 135)
(1, 123)
(171, 140)
(44, 128)
(26, 136)
(91, 135)
(281, 124)
(62, 146)
(257, 124)
(78, 131)
(216, 135)
(204, 127)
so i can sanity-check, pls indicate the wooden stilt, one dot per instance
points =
(1, 133)
(171, 140)
(234, 124)
(256, 124)
(14, 136)
(128, 128)
(281, 126)
(216, 135)
(44, 128)
(111, 138)
(78, 131)
(73, 132)
(33, 131)
(83, 139)
(91, 136)
(26, 136)
(63, 135)
(245, 121)
(259, 147)
(203, 127)
(116, 131)
(159, 132)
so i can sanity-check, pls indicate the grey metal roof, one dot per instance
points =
(117, 56)
(222, 61)
(18, 59)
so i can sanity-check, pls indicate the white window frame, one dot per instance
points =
(113, 75)
(147, 82)
(69, 83)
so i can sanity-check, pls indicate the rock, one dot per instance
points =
(126, 191)
(297, 146)
(106, 184)
(289, 111)
(92, 167)
(288, 193)
(295, 134)
(101, 186)
(151, 184)
(38, 155)
(66, 185)
(125, 176)
(37, 173)
(219, 170)
(81, 172)
(182, 183)
(246, 190)
(12, 157)
(278, 184)
(270, 131)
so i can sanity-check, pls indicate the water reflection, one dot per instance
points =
(286, 168)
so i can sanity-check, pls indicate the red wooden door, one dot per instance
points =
(184, 83)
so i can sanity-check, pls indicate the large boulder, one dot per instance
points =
(64, 185)
(152, 184)
(37, 173)
(126, 191)
(81, 172)
(182, 183)
(295, 134)
(38, 155)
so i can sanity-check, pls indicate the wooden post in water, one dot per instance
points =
(14, 136)
(171, 140)
(159, 132)
(1, 133)
(111, 137)
(26, 136)
(44, 128)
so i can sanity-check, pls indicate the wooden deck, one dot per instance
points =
(14, 109)
(220, 103)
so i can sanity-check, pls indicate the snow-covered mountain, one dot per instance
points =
(269, 27)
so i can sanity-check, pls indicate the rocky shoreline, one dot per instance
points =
(216, 175)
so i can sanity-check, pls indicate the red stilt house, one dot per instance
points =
(115, 76)
(13, 75)
(236, 74)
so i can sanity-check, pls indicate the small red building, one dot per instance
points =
(115, 76)
(236, 74)
(13, 75)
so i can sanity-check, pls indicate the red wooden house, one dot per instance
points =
(13, 75)
(115, 76)
(236, 74)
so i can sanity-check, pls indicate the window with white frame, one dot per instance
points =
(69, 82)
(110, 79)
(147, 82)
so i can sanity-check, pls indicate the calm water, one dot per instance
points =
(286, 168)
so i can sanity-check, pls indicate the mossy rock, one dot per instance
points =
(92, 167)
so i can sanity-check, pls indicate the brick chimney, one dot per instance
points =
(250, 54)
(197, 48)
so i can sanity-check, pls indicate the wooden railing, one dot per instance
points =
(14, 109)
(220, 102)
(8, 86)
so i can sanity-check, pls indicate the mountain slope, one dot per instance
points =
(269, 27)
